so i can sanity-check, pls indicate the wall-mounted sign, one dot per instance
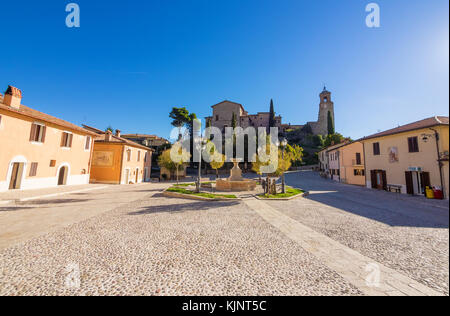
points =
(415, 169)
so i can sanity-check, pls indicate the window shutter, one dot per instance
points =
(33, 132)
(70, 140)
(33, 169)
(88, 142)
(44, 131)
(410, 149)
(63, 139)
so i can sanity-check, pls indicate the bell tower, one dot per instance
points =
(326, 106)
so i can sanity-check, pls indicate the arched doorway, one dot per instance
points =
(62, 176)
(16, 172)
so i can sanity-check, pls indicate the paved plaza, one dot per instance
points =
(132, 240)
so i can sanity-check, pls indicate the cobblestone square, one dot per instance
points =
(153, 245)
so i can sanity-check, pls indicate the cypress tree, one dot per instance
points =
(331, 129)
(272, 115)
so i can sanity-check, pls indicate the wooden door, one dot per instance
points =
(373, 177)
(62, 176)
(383, 180)
(425, 180)
(409, 182)
(16, 176)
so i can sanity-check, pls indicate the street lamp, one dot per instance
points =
(283, 183)
(201, 146)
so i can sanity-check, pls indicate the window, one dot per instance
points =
(128, 155)
(359, 172)
(146, 157)
(0, 120)
(376, 149)
(217, 117)
(413, 145)
(66, 140)
(358, 158)
(33, 169)
(37, 133)
(87, 146)
(139, 155)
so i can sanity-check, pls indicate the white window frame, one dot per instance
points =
(65, 147)
(39, 143)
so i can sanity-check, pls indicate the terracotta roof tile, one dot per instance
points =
(29, 112)
(114, 139)
(428, 122)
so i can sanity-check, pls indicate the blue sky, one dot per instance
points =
(131, 61)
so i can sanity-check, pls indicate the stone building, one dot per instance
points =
(223, 116)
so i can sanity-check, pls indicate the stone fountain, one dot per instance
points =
(235, 183)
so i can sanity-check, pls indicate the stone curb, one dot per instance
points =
(193, 197)
(304, 194)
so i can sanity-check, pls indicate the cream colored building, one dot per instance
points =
(38, 150)
(409, 157)
(351, 163)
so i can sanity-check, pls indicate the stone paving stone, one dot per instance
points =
(347, 262)
(167, 246)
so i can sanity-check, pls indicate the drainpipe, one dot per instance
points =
(436, 136)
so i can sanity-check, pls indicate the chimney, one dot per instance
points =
(108, 136)
(117, 133)
(13, 97)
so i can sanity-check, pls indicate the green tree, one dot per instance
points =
(318, 141)
(109, 129)
(234, 121)
(334, 139)
(330, 124)
(272, 115)
(217, 162)
(180, 117)
(165, 159)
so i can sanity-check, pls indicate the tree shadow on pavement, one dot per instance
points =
(179, 208)
(388, 211)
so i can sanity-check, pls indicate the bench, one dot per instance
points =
(394, 188)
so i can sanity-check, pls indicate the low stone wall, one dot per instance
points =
(235, 186)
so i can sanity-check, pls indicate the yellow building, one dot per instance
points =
(38, 150)
(117, 160)
(410, 157)
(347, 163)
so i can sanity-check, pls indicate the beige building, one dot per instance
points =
(38, 150)
(117, 160)
(346, 163)
(409, 157)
